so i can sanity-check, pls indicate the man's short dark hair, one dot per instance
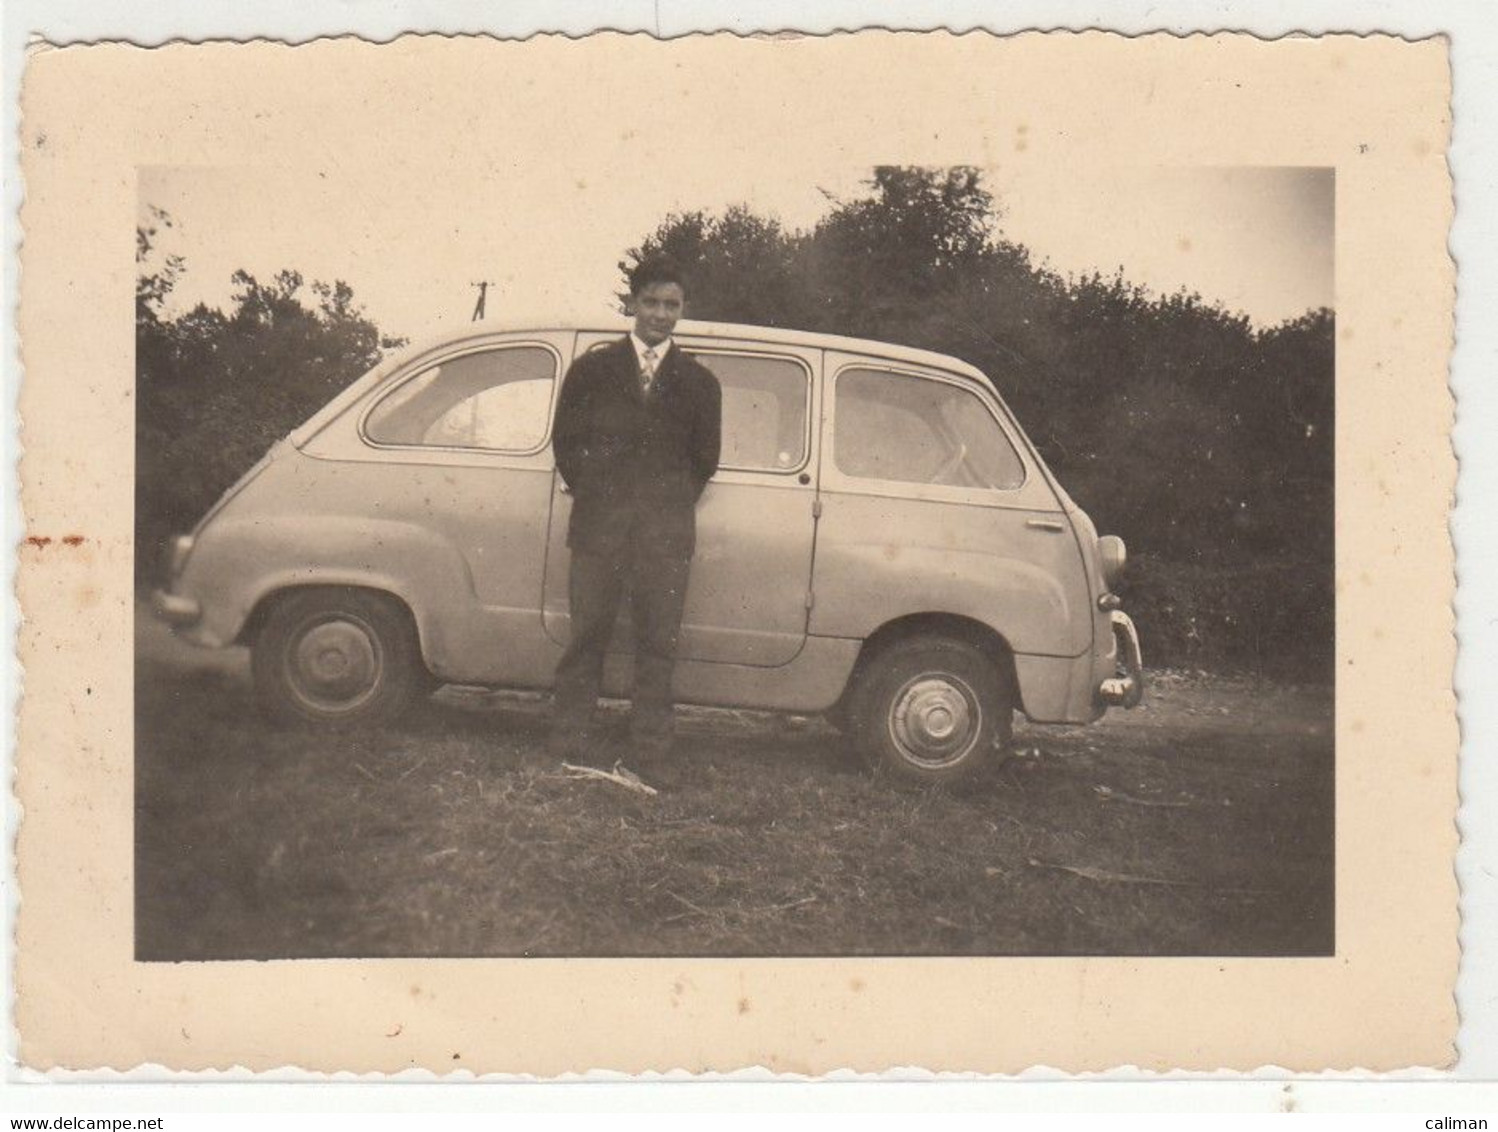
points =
(656, 269)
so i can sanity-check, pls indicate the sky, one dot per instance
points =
(411, 240)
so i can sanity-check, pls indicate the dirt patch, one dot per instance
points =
(1199, 824)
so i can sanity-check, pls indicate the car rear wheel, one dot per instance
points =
(337, 655)
(931, 709)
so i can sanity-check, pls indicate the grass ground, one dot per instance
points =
(1201, 823)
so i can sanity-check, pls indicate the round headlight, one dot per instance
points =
(1114, 556)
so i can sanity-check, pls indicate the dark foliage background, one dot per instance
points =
(215, 389)
(1204, 441)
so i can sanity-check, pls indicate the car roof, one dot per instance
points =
(725, 331)
(480, 333)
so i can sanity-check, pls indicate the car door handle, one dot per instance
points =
(1051, 525)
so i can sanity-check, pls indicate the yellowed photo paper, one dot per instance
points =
(851, 552)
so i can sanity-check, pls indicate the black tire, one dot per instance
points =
(931, 709)
(337, 656)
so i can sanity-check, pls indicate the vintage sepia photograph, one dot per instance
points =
(816, 553)
(896, 560)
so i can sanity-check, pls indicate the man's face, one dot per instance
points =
(656, 309)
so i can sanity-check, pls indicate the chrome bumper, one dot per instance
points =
(175, 609)
(1127, 688)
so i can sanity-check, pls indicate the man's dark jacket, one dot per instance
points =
(636, 462)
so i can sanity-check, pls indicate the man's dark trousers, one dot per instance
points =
(656, 583)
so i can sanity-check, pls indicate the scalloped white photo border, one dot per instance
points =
(1474, 55)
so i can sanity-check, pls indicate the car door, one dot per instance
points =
(450, 463)
(748, 597)
(931, 505)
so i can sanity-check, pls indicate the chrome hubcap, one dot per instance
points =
(335, 665)
(935, 719)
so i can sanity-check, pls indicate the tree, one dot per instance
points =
(215, 389)
(153, 282)
(920, 232)
(742, 266)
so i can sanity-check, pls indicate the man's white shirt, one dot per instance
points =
(660, 349)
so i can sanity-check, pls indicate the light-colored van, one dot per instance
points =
(881, 544)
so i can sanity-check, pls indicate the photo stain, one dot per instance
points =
(743, 1006)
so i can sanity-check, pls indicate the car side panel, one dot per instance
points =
(880, 558)
(461, 546)
(1057, 689)
(811, 682)
(746, 594)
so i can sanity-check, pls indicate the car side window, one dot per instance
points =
(498, 399)
(764, 410)
(907, 429)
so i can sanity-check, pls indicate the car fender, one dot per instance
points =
(238, 562)
(878, 582)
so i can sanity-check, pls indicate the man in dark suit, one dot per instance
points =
(637, 437)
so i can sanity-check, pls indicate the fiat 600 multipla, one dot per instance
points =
(881, 543)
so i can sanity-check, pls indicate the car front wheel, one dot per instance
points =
(931, 709)
(337, 655)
